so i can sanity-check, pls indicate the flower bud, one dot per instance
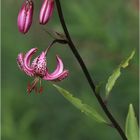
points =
(25, 16)
(46, 11)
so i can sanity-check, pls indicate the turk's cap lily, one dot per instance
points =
(25, 16)
(38, 68)
(46, 11)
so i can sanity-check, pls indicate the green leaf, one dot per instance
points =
(89, 111)
(116, 73)
(131, 126)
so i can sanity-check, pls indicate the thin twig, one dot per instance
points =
(55, 41)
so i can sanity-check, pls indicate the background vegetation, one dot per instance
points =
(104, 32)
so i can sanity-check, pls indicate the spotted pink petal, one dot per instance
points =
(27, 59)
(59, 77)
(63, 75)
(20, 62)
(46, 11)
(59, 68)
(25, 15)
(39, 64)
(58, 74)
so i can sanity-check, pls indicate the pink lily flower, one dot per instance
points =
(39, 70)
(25, 16)
(46, 11)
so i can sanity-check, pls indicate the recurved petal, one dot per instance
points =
(59, 67)
(20, 62)
(58, 74)
(27, 59)
(59, 77)
(63, 75)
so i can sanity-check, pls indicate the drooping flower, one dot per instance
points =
(25, 16)
(38, 69)
(46, 11)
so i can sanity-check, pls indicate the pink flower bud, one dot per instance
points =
(25, 15)
(46, 11)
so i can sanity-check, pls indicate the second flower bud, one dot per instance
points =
(46, 11)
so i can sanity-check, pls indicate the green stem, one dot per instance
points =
(86, 73)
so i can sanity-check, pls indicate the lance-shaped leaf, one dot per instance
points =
(89, 111)
(116, 73)
(131, 126)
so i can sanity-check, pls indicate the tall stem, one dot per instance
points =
(87, 75)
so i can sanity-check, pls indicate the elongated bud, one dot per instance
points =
(25, 16)
(46, 11)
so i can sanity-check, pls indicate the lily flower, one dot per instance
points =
(38, 69)
(46, 11)
(25, 16)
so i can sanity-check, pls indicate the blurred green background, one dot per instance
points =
(105, 32)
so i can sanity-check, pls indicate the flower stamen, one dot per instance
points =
(33, 86)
